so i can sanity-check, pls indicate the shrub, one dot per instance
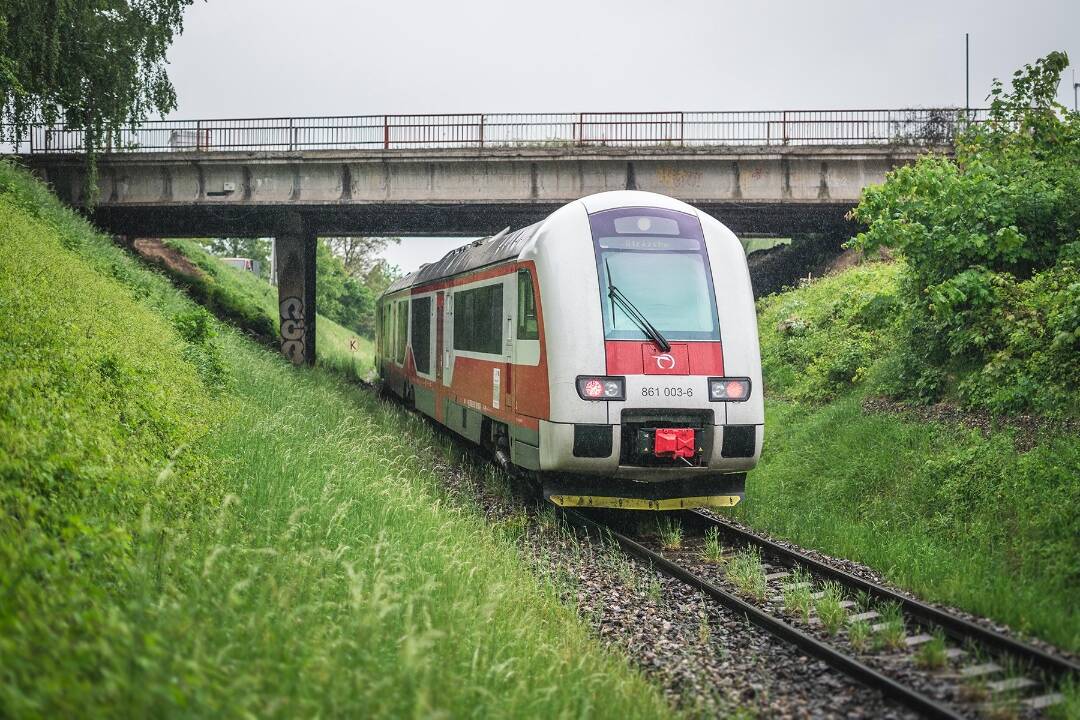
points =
(821, 340)
(991, 240)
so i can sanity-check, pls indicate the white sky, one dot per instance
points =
(249, 58)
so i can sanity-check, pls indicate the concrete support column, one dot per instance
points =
(295, 254)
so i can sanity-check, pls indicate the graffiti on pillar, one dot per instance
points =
(292, 329)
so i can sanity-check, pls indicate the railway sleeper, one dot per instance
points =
(980, 670)
(1010, 684)
(1043, 701)
(920, 639)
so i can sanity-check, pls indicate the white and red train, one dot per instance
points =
(610, 350)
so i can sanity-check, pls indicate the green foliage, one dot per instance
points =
(932, 655)
(96, 65)
(252, 304)
(713, 550)
(671, 532)
(340, 297)
(822, 339)
(265, 548)
(941, 510)
(746, 571)
(992, 241)
(829, 608)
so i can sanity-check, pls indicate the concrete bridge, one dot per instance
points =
(299, 178)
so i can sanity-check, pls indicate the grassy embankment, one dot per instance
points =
(191, 527)
(955, 515)
(247, 298)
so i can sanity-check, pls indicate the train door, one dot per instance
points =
(446, 343)
(526, 342)
(439, 300)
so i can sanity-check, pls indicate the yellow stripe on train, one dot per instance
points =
(601, 501)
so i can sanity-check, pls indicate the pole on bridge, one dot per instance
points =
(967, 78)
(295, 246)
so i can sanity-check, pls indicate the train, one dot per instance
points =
(608, 353)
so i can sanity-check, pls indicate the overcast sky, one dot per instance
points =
(249, 58)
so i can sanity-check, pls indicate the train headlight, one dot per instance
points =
(601, 387)
(729, 389)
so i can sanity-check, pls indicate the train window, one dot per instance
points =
(478, 319)
(659, 262)
(671, 290)
(421, 334)
(528, 327)
(402, 331)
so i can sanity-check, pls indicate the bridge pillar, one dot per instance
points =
(295, 245)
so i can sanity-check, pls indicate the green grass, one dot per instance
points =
(951, 514)
(932, 655)
(893, 631)
(713, 550)
(670, 532)
(820, 340)
(747, 573)
(829, 610)
(191, 527)
(859, 635)
(250, 295)
(797, 592)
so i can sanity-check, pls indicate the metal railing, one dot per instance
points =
(934, 126)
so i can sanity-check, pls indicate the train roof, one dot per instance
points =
(477, 254)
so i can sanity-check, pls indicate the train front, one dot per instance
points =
(653, 359)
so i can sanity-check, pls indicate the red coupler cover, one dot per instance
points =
(674, 442)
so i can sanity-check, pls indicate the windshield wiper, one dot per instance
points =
(618, 297)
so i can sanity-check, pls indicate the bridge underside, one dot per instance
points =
(442, 219)
(776, 190)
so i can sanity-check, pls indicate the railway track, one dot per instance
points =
(987, 673)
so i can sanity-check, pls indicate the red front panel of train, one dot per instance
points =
(633, 357)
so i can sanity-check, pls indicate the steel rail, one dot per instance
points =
(956, 627)
(808, 644)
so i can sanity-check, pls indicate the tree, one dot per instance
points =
(94, 64)
(360, 255)
(991, 240)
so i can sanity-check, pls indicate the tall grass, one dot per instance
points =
(251, 296)
(950, 513)
(192, 527)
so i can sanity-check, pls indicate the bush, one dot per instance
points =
(820, 340)
(991, 241)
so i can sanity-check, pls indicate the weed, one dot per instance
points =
(893, 632)
(1069, 707)
(798, 592)
(670, 533)
(829, 610)
(931, 655)
(704, 631)
(859, 635)
(654, 590)
(747, 573)
(713, 551)
(512, 528)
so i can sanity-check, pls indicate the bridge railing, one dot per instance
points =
(612, 129)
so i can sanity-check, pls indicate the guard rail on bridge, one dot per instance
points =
(934, 126)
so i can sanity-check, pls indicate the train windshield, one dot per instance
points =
(657, 260)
